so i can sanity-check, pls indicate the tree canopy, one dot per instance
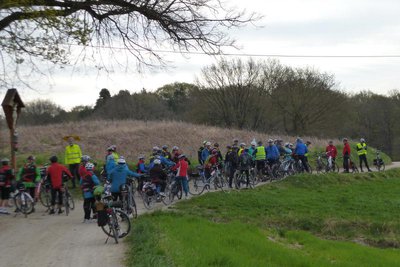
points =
(46, 29)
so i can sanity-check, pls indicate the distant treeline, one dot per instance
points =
(259, 95)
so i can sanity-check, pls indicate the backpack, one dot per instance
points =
(87, 183)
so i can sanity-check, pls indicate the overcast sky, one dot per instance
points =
(290, 27)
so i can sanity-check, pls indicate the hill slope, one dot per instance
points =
(131, 137)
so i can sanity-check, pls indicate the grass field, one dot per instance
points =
(306, 220)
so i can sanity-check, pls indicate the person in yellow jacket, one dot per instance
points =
(72, 158)
(362, 154)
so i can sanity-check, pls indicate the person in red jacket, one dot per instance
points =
(55, 174)
(331, 151)
(210, 162)
(346, 155)
(6, 176)
(182, 168)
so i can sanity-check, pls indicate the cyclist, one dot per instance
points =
(165, 153)
(6, 177)
(252, 150)
(272, 153)
(206, 152)
(117, 177)
(55, 173)
(72, 157)
(281, 148)
(182, 168)
(199, 152)
(331, 151)
(82, 168)
(158, 177)
(241, 148)
(220, 158)
(235, 142)
(261, 155)
(231, 162)
(141, 169)
(300, 151)
(154, 153)
(362, 154)
(245, 163)
(175, 154)
(88, 181)
(288, 152)
(210, 163)
(29, 175)
(346, 155)
(111, 159)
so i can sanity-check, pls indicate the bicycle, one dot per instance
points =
(378, 162)
(299, 166)
(215, 179)
(240, 178)
(175, 190)
(128, 197)
(68, 201)
(286, 168)
(197, 181)
(43, 192)
(114, 222)
(320, 165)
(23, 201)
(150, 195)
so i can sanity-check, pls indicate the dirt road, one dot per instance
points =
(42, 240)
(57, 240)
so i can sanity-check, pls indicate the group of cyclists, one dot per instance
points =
(238, 157)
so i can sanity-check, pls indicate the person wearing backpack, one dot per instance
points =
(6, 177)
(29, 175)
(245, 163)
(88, 181)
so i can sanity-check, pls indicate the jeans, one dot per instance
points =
(184, 181)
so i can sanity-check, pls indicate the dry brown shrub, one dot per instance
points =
(132, 137)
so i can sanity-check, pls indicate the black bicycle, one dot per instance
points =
(378, 162)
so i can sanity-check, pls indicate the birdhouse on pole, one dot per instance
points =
(12, 105)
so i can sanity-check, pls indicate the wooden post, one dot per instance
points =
(12, 105)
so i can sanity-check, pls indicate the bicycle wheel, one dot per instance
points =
(113, 227)
(71, 201)
(45, 197)
(24, 203)
(196, 186)
(237, 180)
(310, 170)
(335, 167)
(132, 205)
(219, 183)
(66, 203)
(167, 198)
(122, 223)
(148, 201)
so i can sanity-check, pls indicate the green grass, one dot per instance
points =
(306, 220)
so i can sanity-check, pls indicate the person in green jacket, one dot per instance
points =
(29, 175)
(73, 157)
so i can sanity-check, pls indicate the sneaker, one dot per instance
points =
(60, 211)
(162, 194)
(51, 212)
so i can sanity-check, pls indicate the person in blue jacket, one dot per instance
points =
(117, 177)
(301, 150)
(88, 181)
(165, 162)
(206, 152)
(272, 153)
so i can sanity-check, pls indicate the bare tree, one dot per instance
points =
(46, 29)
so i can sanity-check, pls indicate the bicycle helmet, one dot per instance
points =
(270, 141)
(53, 159)
(253, 143)
(362, 140)
(89, 166)
(156, 148)
(287, 144)
(85, 158)
(208, 144)
(31, 157)
(175, 148)
(242, 144)
(157, 162)
(204, 143)
(141, 157)
(5, 160)
(181, 156)
(121, 160)
(164, 147)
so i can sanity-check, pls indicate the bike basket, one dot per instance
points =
(102, 217)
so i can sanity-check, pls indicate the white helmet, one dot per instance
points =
(208, 144)
(287, 144)
(141, 157)
(243, 144)
(121, 160)
(362, 140)
(253, 143)
(175, 148)
(157, 162)
(89, 166)
(156, 148)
